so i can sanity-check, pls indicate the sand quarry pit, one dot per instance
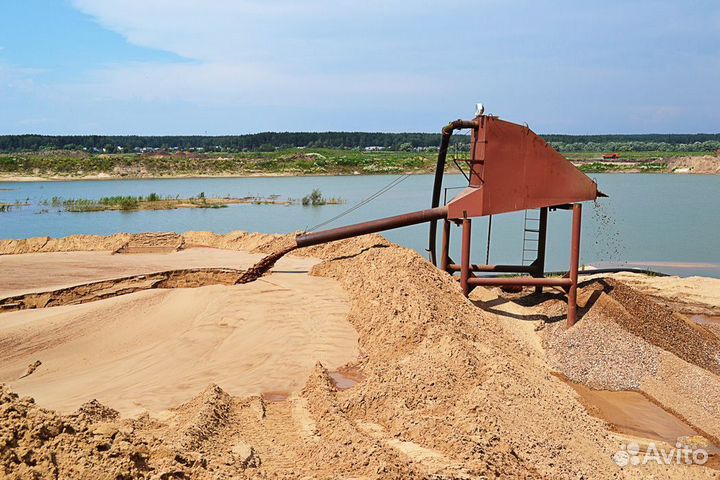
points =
(137, 356)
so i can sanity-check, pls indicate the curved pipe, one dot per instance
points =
(447, 132)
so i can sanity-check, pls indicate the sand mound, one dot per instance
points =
(237, 240)
(202, 417)
(640, 328)
(705, 164)
(37, 443)
(68, 244)
(152, 242)
(138, 242)
(448, 390)
(627, 340)
(94, 411)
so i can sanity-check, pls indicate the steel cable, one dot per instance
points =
(364, 202)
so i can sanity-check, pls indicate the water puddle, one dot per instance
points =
(274, 397)
(706, 319)
(631, 413)
(345, 378)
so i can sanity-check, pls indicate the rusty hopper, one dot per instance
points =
(510, 169)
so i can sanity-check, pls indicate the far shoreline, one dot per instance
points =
(101, 177)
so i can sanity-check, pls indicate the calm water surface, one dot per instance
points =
(670, 223)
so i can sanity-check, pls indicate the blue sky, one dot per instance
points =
(238, 66)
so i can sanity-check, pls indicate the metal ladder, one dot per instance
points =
(531, 236)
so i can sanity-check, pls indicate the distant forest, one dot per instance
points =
(271, 141)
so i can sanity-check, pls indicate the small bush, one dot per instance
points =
(314, 199)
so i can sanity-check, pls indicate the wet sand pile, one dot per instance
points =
(640, 328)
(266, 263)
(627, 340)
(448, 391)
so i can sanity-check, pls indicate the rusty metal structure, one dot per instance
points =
(510, 169)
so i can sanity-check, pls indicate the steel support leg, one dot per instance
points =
(574, 261)
(465, 257)
(445, 250)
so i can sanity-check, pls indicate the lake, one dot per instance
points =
(669, 223)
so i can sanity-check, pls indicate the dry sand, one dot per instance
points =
(156, 349)
(706, 164)
(450, 388)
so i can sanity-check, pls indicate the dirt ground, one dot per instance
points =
(706, 164)
(236, 381)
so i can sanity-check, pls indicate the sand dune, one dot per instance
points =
(155, 349)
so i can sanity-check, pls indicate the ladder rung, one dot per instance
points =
(532, 239)
(529, 250)
(532, 230)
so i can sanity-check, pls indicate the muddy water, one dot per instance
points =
(711, 323)
(631, 413)
(272, 397)
(345, 378)
(706, 319)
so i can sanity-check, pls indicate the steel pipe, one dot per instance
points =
(454, 267)
(445, 250)
(447, 132)
(519, 281)
(465, 256)
(373, 226)
(574, 261)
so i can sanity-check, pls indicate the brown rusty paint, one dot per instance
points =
(574, 261)
(454, 267)
(445, 250)
(388, 223)
(465, 256)
(522, 281)
(512, 169)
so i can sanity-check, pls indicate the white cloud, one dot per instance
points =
(245, 84)
(297, 53)
(350, 64)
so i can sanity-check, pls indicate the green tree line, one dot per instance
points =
(269, 141)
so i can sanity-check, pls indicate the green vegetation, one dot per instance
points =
(272, 141)
(315, 198)
(288, 161)
(283, 162)
(153, 201)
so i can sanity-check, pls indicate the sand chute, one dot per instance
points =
(264, 265)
